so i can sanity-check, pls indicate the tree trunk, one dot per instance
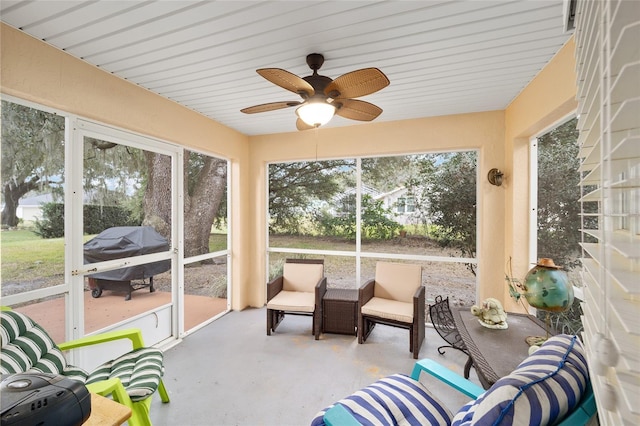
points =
(200, 206)
(157, 197)
(12, 194)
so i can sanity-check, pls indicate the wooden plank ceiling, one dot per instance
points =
(442, 57)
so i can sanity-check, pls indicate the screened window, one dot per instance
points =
(32, 246)
(356, 212)
(557, 212)
(65, 184)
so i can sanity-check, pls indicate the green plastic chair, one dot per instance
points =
(130, 379)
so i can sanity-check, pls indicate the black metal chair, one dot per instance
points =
(442, 320)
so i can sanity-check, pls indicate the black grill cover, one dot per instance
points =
(126, 241)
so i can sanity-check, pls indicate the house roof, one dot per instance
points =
(35, 200)
(442, 57)
(396, 191)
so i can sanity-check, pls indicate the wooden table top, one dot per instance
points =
(106, 412)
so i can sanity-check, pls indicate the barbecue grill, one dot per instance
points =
(120, 242)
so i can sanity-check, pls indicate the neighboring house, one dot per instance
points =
(401, 204)
(30, 208)
(345, 202)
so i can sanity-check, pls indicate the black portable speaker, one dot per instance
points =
(43, 399)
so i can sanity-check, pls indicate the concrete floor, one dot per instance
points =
(231, 373)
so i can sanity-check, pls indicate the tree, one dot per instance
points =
(558, 195)
(204, 196)
(142, 180)
(376, 223)
(386, 173)
(112, 173)
(32, 154)
(292, 187)
(446, 189)
(204, 189)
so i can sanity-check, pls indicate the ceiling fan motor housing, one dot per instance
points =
(319, 82)
(315, 61)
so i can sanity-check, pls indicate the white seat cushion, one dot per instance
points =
(301, 276)
(296, 301)
(389, 309)
(397, 281)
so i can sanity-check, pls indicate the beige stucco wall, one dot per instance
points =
(36, 72)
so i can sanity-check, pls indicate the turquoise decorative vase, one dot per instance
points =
(547, 287)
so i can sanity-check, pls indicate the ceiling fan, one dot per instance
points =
(323, 97)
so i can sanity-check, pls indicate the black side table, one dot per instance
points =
(340, 311)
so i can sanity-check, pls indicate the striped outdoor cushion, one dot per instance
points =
(393, 400)
(540, 391)
(139, 371)
(26, 347)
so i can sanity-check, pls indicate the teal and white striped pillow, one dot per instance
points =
(393, 400)
(540, 391)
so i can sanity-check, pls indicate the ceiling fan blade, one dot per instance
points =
(357, 110)
(288, 81)
(357, 83)
(272, 106)
(301, 125)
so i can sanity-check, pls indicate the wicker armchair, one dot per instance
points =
(395, 297)
(442, 321)
(298, 291)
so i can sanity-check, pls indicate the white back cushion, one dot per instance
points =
(397, 281)
(301, 276)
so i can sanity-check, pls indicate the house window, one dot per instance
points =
(406, 205)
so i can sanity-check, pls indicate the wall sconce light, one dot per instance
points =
(495, 177)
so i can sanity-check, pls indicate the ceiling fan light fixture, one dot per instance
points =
(316, 114)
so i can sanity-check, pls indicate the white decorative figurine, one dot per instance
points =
(491, 314)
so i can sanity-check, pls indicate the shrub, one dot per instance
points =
(99, 218)
(568, 322)
(96, 219)
(52, 223)
(376, 224)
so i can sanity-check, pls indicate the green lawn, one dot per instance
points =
(217, 242)
(25, 256)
